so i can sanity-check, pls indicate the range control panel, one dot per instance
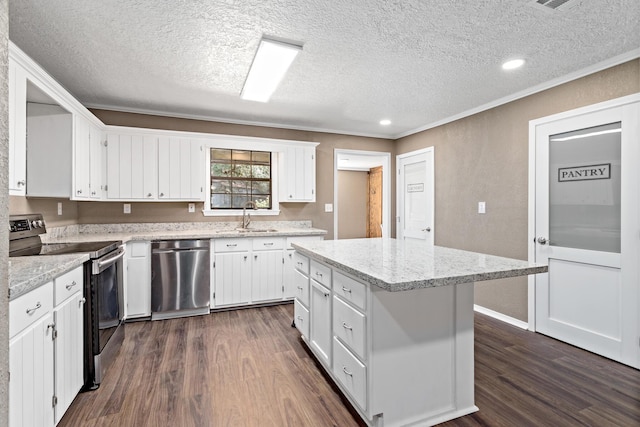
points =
(26, 225)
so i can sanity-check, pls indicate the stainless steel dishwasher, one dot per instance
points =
(180, 278)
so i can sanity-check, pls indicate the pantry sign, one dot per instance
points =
(585, 173)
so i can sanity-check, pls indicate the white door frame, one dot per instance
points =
(531, 247)
(399, 191)
(386, 187)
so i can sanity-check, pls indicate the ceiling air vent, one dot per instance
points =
(550, 5)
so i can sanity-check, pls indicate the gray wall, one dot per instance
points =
(4, 212)
(484, 157)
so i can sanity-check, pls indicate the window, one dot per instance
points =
(238, 176)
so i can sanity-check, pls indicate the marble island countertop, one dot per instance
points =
(396, 265)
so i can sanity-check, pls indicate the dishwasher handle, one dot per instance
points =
(173, 250)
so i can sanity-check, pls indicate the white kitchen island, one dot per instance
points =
(392, 323)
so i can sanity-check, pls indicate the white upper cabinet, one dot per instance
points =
(87, 146)
(17, 129)
(298, 174)
(180, 169)
(132, 167)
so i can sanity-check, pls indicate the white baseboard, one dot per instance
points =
(503, 317)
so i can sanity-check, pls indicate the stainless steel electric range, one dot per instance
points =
(103, 274)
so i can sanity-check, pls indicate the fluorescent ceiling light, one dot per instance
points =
(385, 122)
(587, 135)
(513, 64)
(269, 66)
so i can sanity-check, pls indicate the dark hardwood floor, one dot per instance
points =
(249, 368)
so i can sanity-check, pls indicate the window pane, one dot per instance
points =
(220, 169)
(584, 189)
(261, 157)
(220, 201)
(261, 187)
(238, 201)
(261, 171)
(244, 156)
(220, 154)
(220, 186)
(263, 202)
(241, 187)
(241, 170)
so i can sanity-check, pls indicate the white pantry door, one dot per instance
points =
(415, 194)
(587, 221)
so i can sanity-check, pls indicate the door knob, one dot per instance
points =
(542, 240)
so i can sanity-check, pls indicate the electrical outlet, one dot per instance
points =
(127, 208)
(192, 207)
(328, 207)
(482, 207)
(59, 208)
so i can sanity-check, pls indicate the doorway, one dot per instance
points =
(351, 168)
(584, 221)
(415, 195)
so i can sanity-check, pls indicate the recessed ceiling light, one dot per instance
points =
(385, 122)
(513, 64)
(273, 59)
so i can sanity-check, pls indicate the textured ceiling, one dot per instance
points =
(415, 62)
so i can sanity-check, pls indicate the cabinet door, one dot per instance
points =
(95, 168)
(144, 167)
(181, 169)
(118, 166)
(17, 129)
(31, 367)
(266, 283)
(82, 159)
(320, 312)
(68, 352)
(232, 279)
(138, 279)
(298, 175)
(289, 269)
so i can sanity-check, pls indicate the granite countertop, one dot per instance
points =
(396, 265)
(29, 272)
(127, 236)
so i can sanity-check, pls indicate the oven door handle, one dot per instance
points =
(99, 264)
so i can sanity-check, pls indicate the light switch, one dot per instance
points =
(127, 208)
(482, 207)
(59, 208)
(192, 207)
(328, 207)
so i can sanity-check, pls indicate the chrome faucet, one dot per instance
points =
(246, 218)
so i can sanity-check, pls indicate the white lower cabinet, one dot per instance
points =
(138, 283)
(267, 269)
(31, 370)
(320, 318)
(46, 351)
(231, 272)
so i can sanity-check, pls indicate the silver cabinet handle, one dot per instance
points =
(344, 369)
(161, 194)
(22, 182)
(148, 194)
(318, 274)
(82, 301)
(347, 290)
(300, 318)
(427, 229)
(71, 285)
(299, 263)
(542, 240)
(232, 245)
(93, 193)
(326, 294)
(245, 257)
(79, 192)
(255, 257)
(32, 310)
(344, 325)
(268, 244)
(300, 287)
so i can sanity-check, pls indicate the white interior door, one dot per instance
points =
(587, 230)
(416, 195)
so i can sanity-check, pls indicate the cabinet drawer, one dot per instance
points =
(350, 290)
(301, 318)
(231, 245)
(267, 243)
(349, 325)
(301, 283)
(25, 310)
(302, 239)
(301, 263)
(351, 373)
(67, 285)
(320, 273)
